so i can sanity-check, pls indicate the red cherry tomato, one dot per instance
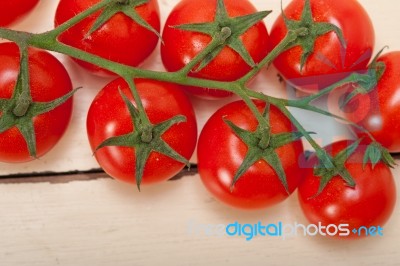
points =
(330, 61)
(379, 110)
(221, 152)
(370, 203)
(11, 11)
(180, 46)
(120, 39)
(48, 81)
(109, 117)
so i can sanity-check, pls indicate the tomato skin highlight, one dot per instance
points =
(180, 46)
(108, 116)
(12, 11)
(49, 80)
(379, 110)
(370, 203)
(120, 39)
(330, 62)
(221, 152)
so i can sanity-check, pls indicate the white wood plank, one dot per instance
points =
(104, 222)
(73, 152)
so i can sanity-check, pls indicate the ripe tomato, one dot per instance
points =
(379, 110)
(181, 46)
(221, 152)
(109, 117)
(370, 203)
(329, 61)
(120, 39)
(48, 81)
(11, 11)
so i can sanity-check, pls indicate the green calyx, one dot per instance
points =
(311, 30)
(364, 83)
(145, 139)
(126, 7)
(262, 145)
(19, 111)
(226, 31)
(375, 153)
(337, 169)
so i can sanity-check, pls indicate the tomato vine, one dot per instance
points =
(224, 32)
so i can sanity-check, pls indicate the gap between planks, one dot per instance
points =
(60, 178)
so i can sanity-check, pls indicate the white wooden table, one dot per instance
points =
(90, 219)
(94, 220)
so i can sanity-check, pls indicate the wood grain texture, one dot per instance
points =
(104, 222)
(90, 219)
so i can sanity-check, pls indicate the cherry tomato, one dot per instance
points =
(109, 117)
(48, 81)
(369, 203)
(329, 61)
(120, 39)
(221, 152)
(11, 11)
(181, 46)
(379, 110)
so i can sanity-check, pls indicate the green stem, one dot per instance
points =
(139, 105)
(124, 70)
(262, 122)
(321, 153)
(352, 78)
(53, 34)
(216, 41)
(19, 37)
(285, 44)
(23, 97)
(177, 77)
(317, 110)
(48, 41)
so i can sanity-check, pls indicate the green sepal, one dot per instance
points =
(127, 8)
(337, 169)
(39, 108)
(314, 30)
(259, 149)
(365, 83)
(372, 154)
(388, 159)
(142, 154)
(3, 103)
(375, 153)
(281, 139)
(342, 156)
(128, 140)
(241, 25)
(28, 132)
(7, 121)
(274, 161)
(156, 142)
(205, 27)
(19, 111)
(237, 26)
(25, 123)
(145, 139)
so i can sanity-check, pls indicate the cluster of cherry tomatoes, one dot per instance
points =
(130, 35)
